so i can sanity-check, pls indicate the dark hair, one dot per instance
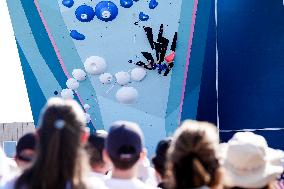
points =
(95, 148)
(192, 156)
(59, 160)
(27, 141)
(159, 160)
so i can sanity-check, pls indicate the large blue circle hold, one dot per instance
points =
(85, 13)
(106, 11)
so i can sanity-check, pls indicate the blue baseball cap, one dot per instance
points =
(125, 140)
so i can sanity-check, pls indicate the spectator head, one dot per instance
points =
(249, 162)
(192, 156)
(159, 160)
(124, 144)
(95, 147)
(60, 154)
(25, 150)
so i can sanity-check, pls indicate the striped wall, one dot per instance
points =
(48, 56)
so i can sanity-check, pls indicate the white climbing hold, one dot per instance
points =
(84, 16)
(67, 94)
(72, 83)
(106, 14)
(95, 65)
(105, 78)
(137, 74)
(127, 95)
(122, 78)
(79, 74)
(87, 118)
(87, 107)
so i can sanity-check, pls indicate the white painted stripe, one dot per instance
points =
(217, 64)
(251, 130)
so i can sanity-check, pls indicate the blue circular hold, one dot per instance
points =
(143, 16)
(126, 3)
(68, 3)
(76, 35)
(85, 13)
(106, 11)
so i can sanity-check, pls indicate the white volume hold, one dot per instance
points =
(72, 83)
(67, 94)
(87, 107)
(95, 65)
(122, 78)
(79, 74)
(138, 74)
(127, 95)
(106, 78)
(87, 118)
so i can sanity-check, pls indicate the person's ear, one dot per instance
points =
(107, 160)
(106, 157)
(143, 154)
(16, 158)
(84, 137)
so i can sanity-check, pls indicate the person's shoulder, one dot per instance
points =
(94, 183)
(9, 183)
(110, 183)
(116, 183)
(98, 176)
(127, 184)
(141, 185)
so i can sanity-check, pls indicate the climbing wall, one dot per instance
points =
(120, 59)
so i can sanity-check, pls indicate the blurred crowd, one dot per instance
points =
(63, 154)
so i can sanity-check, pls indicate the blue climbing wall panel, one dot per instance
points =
(251, 68)
(135, 72)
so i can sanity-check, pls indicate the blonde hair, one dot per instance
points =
(192, 157)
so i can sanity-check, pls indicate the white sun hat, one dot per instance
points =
(249, 162)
